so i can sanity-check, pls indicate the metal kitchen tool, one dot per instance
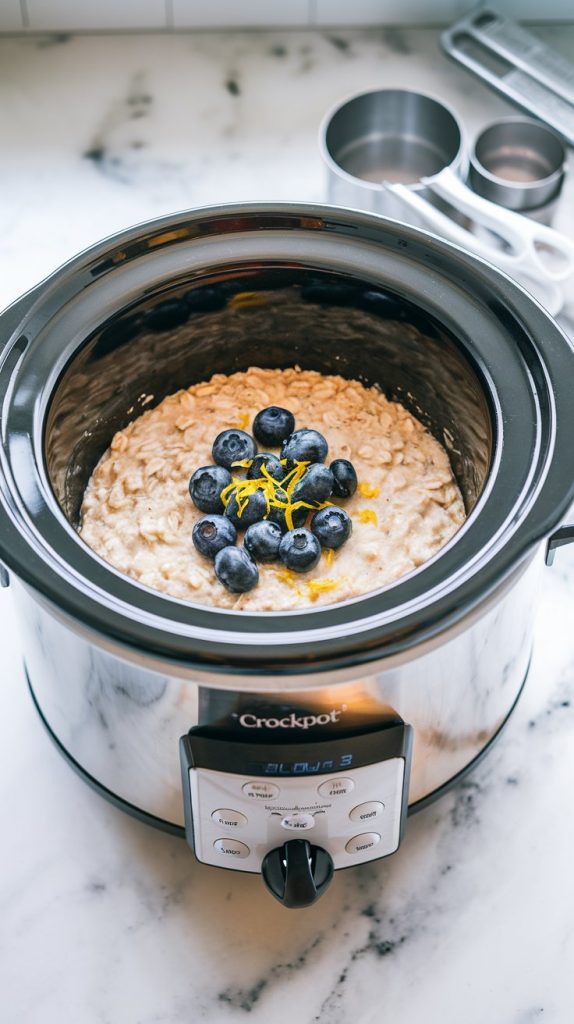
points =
(393, 150)
(520, 164)
(388, 135)
(516, 64)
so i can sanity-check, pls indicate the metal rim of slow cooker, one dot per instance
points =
(335, 635)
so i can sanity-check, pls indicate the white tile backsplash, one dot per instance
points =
(522, 10)
(71, 15)
(245, 13)
(10, 16)
(387, 12)
(110, 15)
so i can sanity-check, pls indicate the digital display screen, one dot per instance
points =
(310, 767)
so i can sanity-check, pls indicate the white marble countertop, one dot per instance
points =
(105, 921)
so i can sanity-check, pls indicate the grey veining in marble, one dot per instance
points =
(104, 921)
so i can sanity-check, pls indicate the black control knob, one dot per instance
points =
(297, 873)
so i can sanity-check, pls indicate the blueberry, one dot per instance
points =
(236, 570)
(315, 485)
(253, 511)
(205, 299)
(382, 304)
(206, 486)
(262, 541)
(330, 291)
(299, 550)
(345, 478)
(277, 515)
(232, 446)
(272, 425)
(212, 533)
(167, 315)
(305, 446)
(271, 463)
(332, 526)
(116, 334)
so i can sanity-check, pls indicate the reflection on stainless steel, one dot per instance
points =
(121, 723)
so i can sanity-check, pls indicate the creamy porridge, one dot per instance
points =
(138, 515)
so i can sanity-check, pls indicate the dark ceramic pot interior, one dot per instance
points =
(275, 318)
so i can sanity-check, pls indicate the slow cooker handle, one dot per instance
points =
(11, 317)
(565, 535)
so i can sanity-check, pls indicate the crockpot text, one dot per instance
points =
(292, 721)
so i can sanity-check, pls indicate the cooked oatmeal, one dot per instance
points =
(137, 513)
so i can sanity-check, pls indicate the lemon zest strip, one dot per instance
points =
(316, 587)
(368, 490)
(286, 575)
(245, 300)
(268, 476)
(293, 477)
(243, 489)
(367, 515)
(244, 421)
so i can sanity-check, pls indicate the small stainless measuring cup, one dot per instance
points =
(389, 135)
(398, 153)
(520, 164)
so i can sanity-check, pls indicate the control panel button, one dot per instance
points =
(367, 811)
(228, 818)
(261, 790)
(336, 787)
(231, 848)
(298, 822)
(362, 843)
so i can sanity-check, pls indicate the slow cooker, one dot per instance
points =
(293, 743)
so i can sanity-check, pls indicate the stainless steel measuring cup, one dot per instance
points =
(402, 154)
(390, 135)
(520, 164)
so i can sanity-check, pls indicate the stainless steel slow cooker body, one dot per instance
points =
(119, 672)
